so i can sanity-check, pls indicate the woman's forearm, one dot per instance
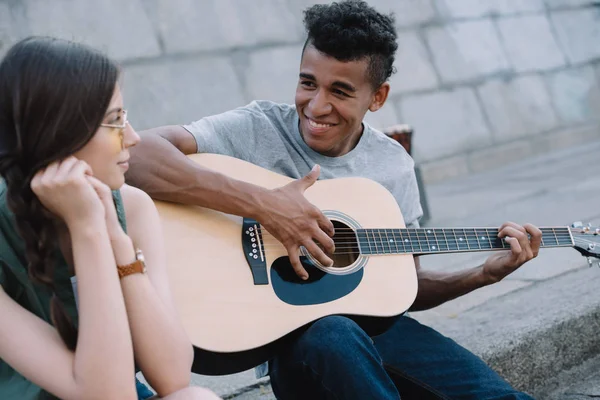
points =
(162, 349)
(103, 361)
(161, 346)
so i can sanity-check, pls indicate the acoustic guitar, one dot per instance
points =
(240, 299)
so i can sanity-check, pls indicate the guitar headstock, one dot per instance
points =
(586, 240)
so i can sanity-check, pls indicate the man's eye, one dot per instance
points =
(307, 83)
(339, 92)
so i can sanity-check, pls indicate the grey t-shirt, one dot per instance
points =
(266, 134)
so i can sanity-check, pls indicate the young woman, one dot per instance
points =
(84, 294)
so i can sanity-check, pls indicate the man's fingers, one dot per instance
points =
(309, 179)
(535, 238)
(318, 253)
(512, 225)
(294, 256)
(515, 238)
(326, 225)
(325, 241)
(515, 246)
(522, 235)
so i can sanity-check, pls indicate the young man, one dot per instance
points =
(345, 65)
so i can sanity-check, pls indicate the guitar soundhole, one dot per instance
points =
(346, 245)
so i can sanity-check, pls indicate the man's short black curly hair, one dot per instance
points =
(350, 30)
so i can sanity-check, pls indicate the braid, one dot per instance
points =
(53, 97)
(36, 228)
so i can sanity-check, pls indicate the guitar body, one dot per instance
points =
(236, 316)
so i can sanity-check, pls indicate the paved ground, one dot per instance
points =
(580, 383)
(543, 320)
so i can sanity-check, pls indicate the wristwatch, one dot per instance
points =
(136, 267)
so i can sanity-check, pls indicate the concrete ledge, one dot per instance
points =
(529, 336)
(489, 158)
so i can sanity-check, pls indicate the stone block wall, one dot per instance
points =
(483, 82)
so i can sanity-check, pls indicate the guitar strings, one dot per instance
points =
(411, 248)
(417, 243)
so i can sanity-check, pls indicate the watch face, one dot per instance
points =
(139, 255)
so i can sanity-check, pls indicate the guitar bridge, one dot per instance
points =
(254, 251)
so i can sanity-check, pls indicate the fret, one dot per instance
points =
(483, 239)
(489, 235)
(392, 241)
(363, 239)
(452, 241)
(363, 242)
(389, 242)
(445, 240)
(382, 244)
(566, 234)
(555, 237)
(374, 241)
(542, 244)
(472, 240)
(497, 242)
(563, 236)
(414, 240)
(407, 242)
(424, 239)
(397, 241)
(433, 247)
(423, 242)
(462, 241)
(441, 244)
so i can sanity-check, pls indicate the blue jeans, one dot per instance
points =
(335, 359)
(142, 390)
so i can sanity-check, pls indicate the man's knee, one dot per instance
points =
(334, 336)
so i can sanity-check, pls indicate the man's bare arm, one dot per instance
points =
(159, 166)
(436, 288)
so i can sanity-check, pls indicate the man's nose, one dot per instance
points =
(319, 104)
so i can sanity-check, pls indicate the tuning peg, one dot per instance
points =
(577, 224)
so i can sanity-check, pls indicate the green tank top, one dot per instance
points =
(34, 297)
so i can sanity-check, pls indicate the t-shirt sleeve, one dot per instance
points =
(410, 203)
(233, 133)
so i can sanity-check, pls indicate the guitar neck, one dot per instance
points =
(447, 240)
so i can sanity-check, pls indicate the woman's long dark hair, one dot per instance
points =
(53, 97)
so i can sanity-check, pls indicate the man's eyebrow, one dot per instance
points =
(343, 85)
(339, 84)
(307, 76)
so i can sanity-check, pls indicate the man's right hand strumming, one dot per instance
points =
(158, 166)
(295, 222)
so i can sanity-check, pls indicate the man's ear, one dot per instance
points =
(379, 97)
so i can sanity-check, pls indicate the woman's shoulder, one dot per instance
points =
(137, 205)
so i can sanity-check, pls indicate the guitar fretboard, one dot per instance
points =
(446, 240)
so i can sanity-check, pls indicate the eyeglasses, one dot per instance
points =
(121, 127)
(123, 115)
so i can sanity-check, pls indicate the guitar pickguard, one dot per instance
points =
(319, 288)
